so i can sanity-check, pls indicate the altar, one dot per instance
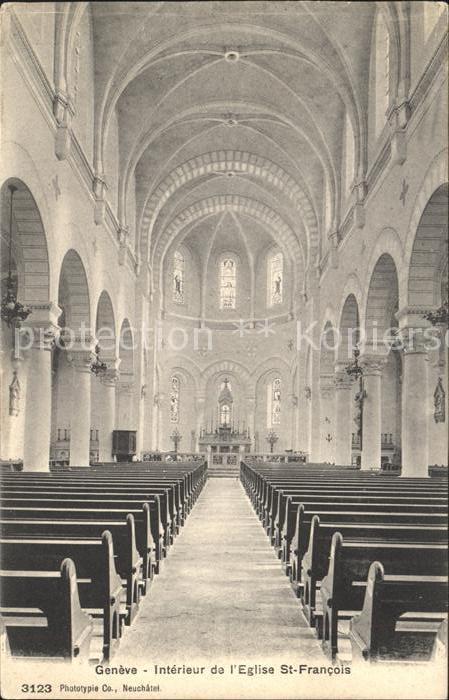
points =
(224, 438)
(224, 444)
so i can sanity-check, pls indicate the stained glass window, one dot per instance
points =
(225, 414)
(178, 278)
(276, 276)
(227, 284)
(276, 402)
(174, 400)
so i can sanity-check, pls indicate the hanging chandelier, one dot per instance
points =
(13, 312)
(98, 367)
(353, 369)
(440, 316)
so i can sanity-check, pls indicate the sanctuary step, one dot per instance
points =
(224, 471)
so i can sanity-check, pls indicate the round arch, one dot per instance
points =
(29, 244)
(428, 258)
(382, 298)
(349, 328)
(225, 367)
(105, 332)
(74, 293)
(126, 352)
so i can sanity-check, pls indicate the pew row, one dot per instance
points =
(100, 588)
(68, 629)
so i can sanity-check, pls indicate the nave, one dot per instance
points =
(221, 593)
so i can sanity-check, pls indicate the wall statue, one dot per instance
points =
(14, 395)
(439, 401)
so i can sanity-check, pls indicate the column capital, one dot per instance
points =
(342, 379)
(372, 363)
(125, 387)
(414, 341)
(327, 385)
(42, 329)
(81, 360)
(110, 377)
(413, 316)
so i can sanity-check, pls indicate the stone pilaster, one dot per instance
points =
(372, 365)
(39, 339)
(81, 359)
(107, 413)
(415, 404)
(343, 416)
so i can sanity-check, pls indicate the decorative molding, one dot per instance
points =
(35, 71)
(77, 158)
(379, 165)
(58, 111)
(422, 87)
(347, 224)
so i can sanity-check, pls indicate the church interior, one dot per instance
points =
(224, 269)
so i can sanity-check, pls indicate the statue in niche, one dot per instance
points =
(178, 284)
(14, 396)
(277, 285)
(439, 398)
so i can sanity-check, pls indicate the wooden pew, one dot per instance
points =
(69, 630)
(47, 489)
(102, 502)
(418, 492)
(99, 585)
(141, 515)
(277, 517)
(387, 597)
(269, 507)
(128, 559)
(315, 560)
(298, 513)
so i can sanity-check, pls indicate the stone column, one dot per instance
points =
(107, 414)
(39, 340)
(372, 366)
(343, 417)
(415, 414)
(81, 360)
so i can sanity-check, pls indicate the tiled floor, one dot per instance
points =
(221, 593)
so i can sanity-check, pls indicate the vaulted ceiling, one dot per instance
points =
(230, 106)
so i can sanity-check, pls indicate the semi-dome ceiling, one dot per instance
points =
(231, 106)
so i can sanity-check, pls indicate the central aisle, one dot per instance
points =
(221, 592)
